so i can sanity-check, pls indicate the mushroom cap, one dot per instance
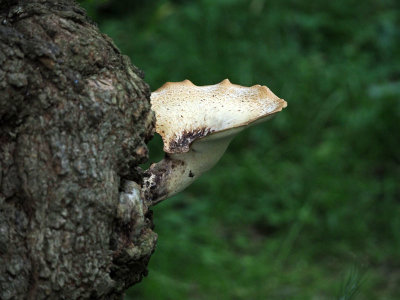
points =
(186, 112)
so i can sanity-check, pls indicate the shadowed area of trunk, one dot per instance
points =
(74, 120)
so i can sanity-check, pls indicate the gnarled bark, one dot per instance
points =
(74, 120)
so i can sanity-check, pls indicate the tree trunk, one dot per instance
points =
(74, 119)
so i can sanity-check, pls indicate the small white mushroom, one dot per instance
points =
(197, 124)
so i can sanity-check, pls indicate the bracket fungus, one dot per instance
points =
(196, 124)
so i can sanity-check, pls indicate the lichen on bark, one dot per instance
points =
(74, 121)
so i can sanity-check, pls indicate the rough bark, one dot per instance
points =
(74, 120)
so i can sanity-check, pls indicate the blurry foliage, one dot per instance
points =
(351, 285)
(298, 200)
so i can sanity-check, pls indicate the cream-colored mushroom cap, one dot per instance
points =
(186, 112)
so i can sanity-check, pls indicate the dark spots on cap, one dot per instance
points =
(182, 143)
(191, 174)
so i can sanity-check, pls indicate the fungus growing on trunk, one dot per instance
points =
(196, 124)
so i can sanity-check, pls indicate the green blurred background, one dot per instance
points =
(307, 205)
